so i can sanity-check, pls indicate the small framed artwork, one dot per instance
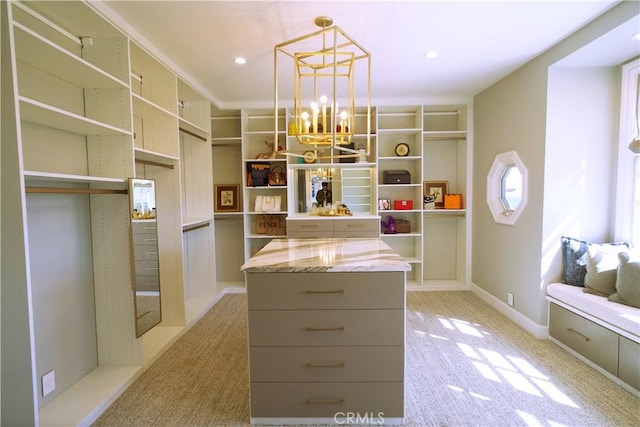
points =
(437, 189)
(384, 204)
(227, 198)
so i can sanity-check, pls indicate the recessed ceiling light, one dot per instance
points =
(240, 60)
(431, 54)
(636, 37)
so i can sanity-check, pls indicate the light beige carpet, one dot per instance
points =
(467, 365)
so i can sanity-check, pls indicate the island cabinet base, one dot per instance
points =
(326, 347)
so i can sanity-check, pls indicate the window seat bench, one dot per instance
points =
(602, 333)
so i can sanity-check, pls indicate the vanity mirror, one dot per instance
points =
(144, 254)
(350, 186)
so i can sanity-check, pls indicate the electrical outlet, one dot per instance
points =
(48, 382)
(510, 299)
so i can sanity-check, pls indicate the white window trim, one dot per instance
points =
(494, 188)
(623, 229)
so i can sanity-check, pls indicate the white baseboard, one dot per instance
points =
(538, 331)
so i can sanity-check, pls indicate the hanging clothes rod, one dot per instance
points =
(195, 135)
(150, 163)
(73, 190)
(195, 227)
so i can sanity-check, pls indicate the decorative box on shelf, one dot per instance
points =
(403, 226)
(453, 201)
(396, 177)
(401, 205)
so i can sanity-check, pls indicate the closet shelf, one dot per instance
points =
(54, 117)
(36, 176)
(34, 50)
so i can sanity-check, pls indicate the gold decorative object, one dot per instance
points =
(325, 65)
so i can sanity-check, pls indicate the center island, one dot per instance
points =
(326, 332)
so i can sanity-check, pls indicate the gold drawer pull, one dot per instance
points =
(309, 226)
(339, 291)
(325, 365)
(324, 401)
(573, 331)
(336, 329)
(355, 225)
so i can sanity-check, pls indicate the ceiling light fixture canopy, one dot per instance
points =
(325, 64)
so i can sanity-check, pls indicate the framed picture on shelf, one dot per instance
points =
(384, 204)
(227, 197)
(437, 189)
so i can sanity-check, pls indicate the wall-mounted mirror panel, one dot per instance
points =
(349, 187)
(144, 254)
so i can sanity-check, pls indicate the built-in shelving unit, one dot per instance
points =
(84, 108)
(258, 131)
(447, 232)
(402, 125)
(226, 144)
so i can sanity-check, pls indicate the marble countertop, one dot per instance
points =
(325, 255)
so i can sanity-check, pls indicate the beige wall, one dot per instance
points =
(512, 115)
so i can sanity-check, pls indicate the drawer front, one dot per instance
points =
(145, 252)
(326, 327)
(591, 340)
(141, 227)
(146, 268)
(310, 225)
(383, 289)
(344, 225)
(309, 234)
(327, 399)
(327, 364)
(629, 362)
(147, 283)
(371, 234)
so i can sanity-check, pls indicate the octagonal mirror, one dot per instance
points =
(507, 188)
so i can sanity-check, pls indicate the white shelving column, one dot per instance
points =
(258, 127)
(228, 168)
(402, 125)
(198, 232)
(447, 157)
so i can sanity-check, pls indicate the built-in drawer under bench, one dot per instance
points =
(614, 351)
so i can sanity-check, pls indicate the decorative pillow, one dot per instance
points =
(627, 281)
(602, 268)
(574, 260)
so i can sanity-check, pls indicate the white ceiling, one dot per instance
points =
(478, 42)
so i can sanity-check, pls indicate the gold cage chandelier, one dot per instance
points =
(325, 89)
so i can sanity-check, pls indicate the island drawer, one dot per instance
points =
(584, 337)
(370, 234)
(376, 399)
(309, 234)
(343, 225)
(327, 364)
(308, 225)
(629, 362)
(326, 327)
(267, 291)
